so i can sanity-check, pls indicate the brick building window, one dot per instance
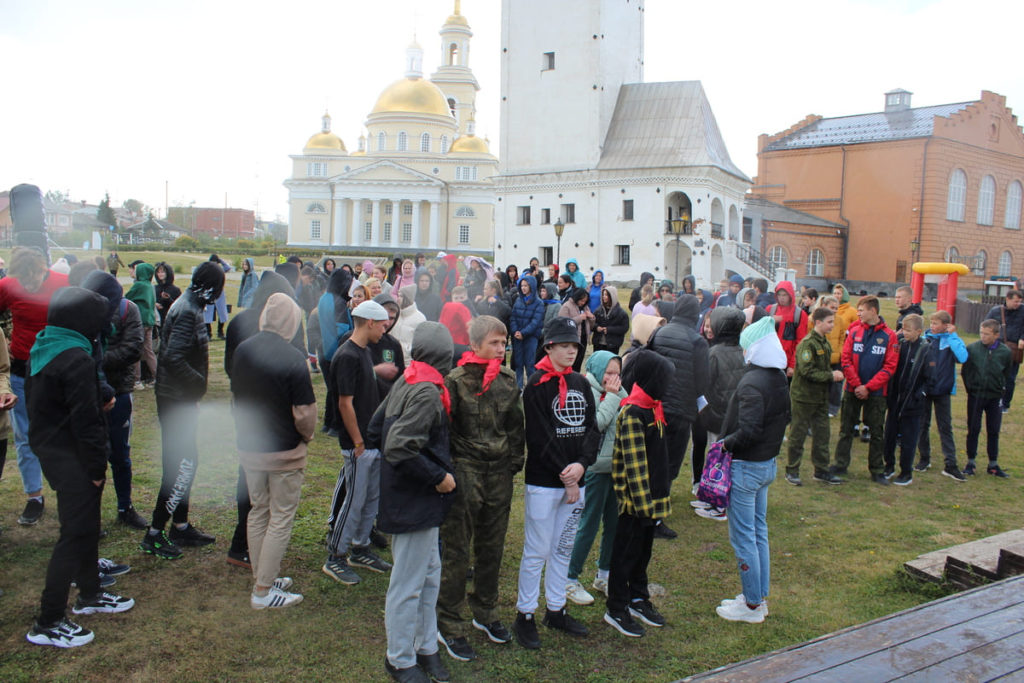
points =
(1005, 264)
(1013, 195)
(816, 263)
(986, 200)
(778, 258)
(980, 261)
(952, 255)
(957, 197)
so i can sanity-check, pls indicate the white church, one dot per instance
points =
(636, 175)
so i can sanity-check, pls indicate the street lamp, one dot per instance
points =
(559, 229)
(679, 226)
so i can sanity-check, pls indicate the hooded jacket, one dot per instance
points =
(552, 304)
(184, 360)
(607, 408)
(166, 292)
(759, 411)
(247, 323)
(247, 287)
(836, 339)
(122, 341)
(527, 316)
(411, 428)
(792, 328)
(945, 350)
(409, 318)
(679, 342)
(143, 295)
(67, 428)
(870, 356)
(908, 386)
(595, 290)
(635, 296)
(497, 309)
(428, 303)
(570, 310)
(332, 310)
(614, 319)
(904, 312)
(846, 311)
(725, 365)
(576, 275)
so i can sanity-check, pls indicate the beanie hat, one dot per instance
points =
(559, 330)
(370, 310)
(762, 328)
(736, 280)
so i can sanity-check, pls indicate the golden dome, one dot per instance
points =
(456, 19)
(412, 96)
(469, 144)
(325, 141)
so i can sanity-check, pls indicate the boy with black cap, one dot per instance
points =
(561, 442)
(181, 376)
(640, 476)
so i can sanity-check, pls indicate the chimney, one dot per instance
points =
(897, 100)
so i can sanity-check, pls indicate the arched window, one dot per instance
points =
(816, 263)
(1013, 195)
(466, 211)
(957, 196)
(986, 200)
(316, 207)
(425, 142)
(403, 142)
(980, 260)
(382, 141)
(778, 258)
(1005, 264)
(453, 54)
(952, 255)
(444, 144)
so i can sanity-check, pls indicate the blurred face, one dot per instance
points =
(358, 268)
(375, 289)
(378, 272)
(491, 289)
(551, 273)
(749, 298)
(902, 300)
(563, 354)
(562, 285)
(329, 267)
(33, 280)
(988, 336)
(534, 263)
(867, 315)
(735, 288)
(911, 334)
(708, 334)
(598, 278)
(420, 260)
(492, 347)
(423, 283)
(571, 267)
(666, 294)
(824, 327)
(937, 327)
(606, 298)
(392, 310)
(459, 298)
(377, 329)
(833, 306)
(611, 372)
(782, 296)
(1013, 303)
(161, 274)
(408, 268)
(838, 293)
(245, 266)
(358, 297)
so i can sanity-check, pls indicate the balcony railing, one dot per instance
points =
(717, 230)
(687, 228)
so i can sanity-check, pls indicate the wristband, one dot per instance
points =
(358, 445)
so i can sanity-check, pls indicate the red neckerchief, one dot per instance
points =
(639, 398)
(551, 373)
(490, 372)
(417, 371)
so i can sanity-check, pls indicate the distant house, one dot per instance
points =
(151, 230)
(226, 223)
(6, 223)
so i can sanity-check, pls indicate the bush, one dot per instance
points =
(186, 242)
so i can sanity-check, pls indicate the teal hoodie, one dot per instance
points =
(142, 293)
(577, 277)
(607, 409)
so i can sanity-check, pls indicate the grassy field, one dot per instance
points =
(836, 553)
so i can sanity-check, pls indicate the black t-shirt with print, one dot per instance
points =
(352, 375)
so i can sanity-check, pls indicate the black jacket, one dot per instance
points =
(645, 279)
(679, 341)
(907, 387)
(247, 323)
(123, 348)
(184, 360)
(617, 322)
(167, 292)
(1014, 329)
(758, 414)
(499, 309)
(904, 312)
(725, 366)
(557, 437)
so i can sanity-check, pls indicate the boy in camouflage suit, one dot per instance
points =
(487, 442)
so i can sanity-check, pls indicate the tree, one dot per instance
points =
(186, 242)
(56, 196)
(134, 206)
(104, 213)
(151, 228)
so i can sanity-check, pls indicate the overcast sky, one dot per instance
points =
(212, 96)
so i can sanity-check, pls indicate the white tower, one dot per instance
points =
(562, 62)
(453, 75)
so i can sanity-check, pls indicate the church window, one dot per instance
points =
(986, 200)
(444, 144)
(367, 231)
(465, 211)
(316, 207)
(522, 215)
(407, 232)
(425, 142)
(387, 231)
(548, 62)
(388, 209)
(451, 105)
(465, 172)
(545, 216)
(1013, 196)
(407, 209)
(568, 213)
(622, 254)
(453, 54)
(463, 234)
(403, 142)
(778, 258)
(957, 197)
(1005, 264)
(627, 209)
(316, 169)
(369, 209)
(382, 141)
(816, 263)
(314, 230)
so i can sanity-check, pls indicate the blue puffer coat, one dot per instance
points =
(528, 311)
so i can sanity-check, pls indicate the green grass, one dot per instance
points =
(837, 554)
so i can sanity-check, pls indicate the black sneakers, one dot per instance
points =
(111, 568)
(954, 473)
(239, 559)
(364, 558)
(496, 631)
(190, 537)
(413, 674)
(563, 621)
(826, 477)
(661, 530)
(903, 479)
(132, 519)
(922, 465)
(645, 612)
(158, 544)
(525, 628)
(880, 479)
(433, 667)
(458, 648)
(63, 633)
(31, 515)
(624, 624)
(996, 471)
(102, 603)
(378, 539)
(889, 472)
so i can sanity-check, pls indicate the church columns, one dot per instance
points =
(375, 242)
(357, 225)
(433, 240)
(339, 229)
(417, 207)
(396, 221)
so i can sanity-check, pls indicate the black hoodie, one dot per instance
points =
(247, 323)
(725, 365)
(166, 292)
(645, 279)
(679, 342)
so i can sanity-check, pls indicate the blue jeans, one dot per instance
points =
(523, 353)
(748, 525)
(28, 463)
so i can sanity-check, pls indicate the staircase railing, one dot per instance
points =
(755, 259)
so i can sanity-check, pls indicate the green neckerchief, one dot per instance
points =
(53, 341)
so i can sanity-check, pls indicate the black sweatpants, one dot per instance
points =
(631, 553)
(75, 555)
(240, 539)
(677, 433)
(179, 423)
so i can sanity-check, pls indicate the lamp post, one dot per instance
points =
(678, 229)
(559, 229)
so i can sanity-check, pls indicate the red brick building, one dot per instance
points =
(227, 223)
(938, 183)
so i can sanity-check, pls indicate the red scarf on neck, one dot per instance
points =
(551, 373)
(418, 371)
(492, 369)
(639, 398)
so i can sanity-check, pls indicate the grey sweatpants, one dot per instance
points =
(410, 615)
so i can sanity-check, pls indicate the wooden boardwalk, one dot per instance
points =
(977, 635)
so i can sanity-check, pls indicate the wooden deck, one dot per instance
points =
(977, 635)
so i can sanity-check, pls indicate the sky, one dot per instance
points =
(204, 101)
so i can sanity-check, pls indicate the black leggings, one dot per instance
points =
(179, 422)
(700, 448)
(75, 555)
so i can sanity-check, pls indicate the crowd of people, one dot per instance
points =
(445, 378)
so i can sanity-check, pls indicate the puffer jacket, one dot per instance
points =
(679, 342)
(755, 422)
(608, 406)
(725, 365)
(615, 320)
(123, 348)
(528, 316)
(183, 365)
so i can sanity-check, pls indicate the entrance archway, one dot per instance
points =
(678, 261)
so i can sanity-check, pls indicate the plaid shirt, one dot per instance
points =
(629, 471)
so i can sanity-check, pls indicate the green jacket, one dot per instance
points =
(813, 374)
(143, 295)
(607, 418)
(487, 427)
(987, 370)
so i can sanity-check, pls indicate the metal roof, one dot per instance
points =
(778, 212)
(877, 127)
(657, 125)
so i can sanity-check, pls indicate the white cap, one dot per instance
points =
(370, 310)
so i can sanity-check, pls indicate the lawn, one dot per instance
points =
(837, 554)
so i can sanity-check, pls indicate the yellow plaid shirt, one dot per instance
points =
(629, 472)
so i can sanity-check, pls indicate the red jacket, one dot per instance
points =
(870, 356)
(793, 326)
(456, 317)
(28, 309)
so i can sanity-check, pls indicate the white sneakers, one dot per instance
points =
(576, 593)
(736, 610)
(739, 598)
(276, 597)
